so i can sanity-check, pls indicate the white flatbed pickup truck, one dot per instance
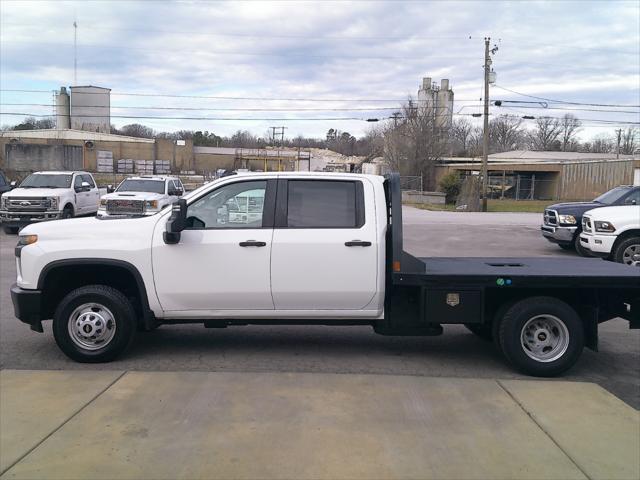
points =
(303, 248)
(613, 233)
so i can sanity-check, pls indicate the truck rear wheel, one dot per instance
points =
(541, 336)
(94, 324)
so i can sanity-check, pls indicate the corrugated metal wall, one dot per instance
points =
(25, 157)
(584, 181)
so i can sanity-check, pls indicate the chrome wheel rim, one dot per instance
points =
(91, 326)
(544, 338)
(631, 255)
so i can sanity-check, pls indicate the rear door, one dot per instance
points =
(325, 251)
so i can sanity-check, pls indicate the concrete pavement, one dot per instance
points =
(91, 424)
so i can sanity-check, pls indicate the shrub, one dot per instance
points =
(450, 184)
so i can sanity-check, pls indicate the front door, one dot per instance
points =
(83, 197)
(325, 250)
(223, 258)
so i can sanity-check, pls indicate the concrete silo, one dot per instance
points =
(63, 113)
(91, 108)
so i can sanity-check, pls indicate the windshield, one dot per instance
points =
(131, 185)
(612, 196)
(43, 180)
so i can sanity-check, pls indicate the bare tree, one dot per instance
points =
(461, 130)
(569, 126)
(416, 143)
(137, 130)
(600, 144)
(546, 133)
(628, 141)
(505, 133)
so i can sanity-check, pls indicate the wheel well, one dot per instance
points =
(68, 205)
(60, 280)
(623, 236)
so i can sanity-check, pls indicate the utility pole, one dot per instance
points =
(75, 52)
(619, 134)
(485, 134)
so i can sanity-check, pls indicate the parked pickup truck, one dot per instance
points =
(613, 233)
(562, 222)
(48, 196)
(318, 249)
(145, 195)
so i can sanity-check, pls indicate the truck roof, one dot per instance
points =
(159, 178)
(316, 174)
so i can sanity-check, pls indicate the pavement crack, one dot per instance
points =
(533, 419)
(50, 434)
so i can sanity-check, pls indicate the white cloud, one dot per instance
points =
(577, 51)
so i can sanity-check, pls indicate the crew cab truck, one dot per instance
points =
(145, 195)
(613, 233)
(48, 196)
(325, 249)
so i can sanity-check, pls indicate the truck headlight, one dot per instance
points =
(568, 219)
(606, 227)
(27, 240)
(151, 204)
(3, 202)
(53, 203)
(103, 202)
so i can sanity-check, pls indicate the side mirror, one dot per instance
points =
(110, 189)
(13, 185)
(176, 223)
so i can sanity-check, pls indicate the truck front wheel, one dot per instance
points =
(94, 324)
(628, 252)
(541, 336)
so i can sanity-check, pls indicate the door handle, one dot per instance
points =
(357, 243)
(253, 243)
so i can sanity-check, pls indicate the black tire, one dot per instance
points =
(67, 212)
(522, 314)
(10, 230)
(566, 246)
(123, 323)
(631, 244)
(583, 252)
(481, 330)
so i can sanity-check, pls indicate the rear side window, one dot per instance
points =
(324, 204)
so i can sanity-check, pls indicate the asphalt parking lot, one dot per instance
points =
(457, 353)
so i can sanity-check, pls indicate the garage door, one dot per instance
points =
(25, 157)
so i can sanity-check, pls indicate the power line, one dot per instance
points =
(217, 97)
(574, 109)
(134, 107)
(192, 118)
(566, 102)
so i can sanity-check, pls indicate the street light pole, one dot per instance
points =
(485, 135)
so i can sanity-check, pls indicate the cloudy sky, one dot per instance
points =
(312, 66)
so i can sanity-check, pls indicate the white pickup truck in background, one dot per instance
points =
(49, 196)
(145, 195)
(613, 233)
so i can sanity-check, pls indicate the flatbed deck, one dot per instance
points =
(515, 272)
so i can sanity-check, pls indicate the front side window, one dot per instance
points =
(136, 185)
(77, 182)
(40, 180)
(322, 204)
(238, 205)
(89, 180)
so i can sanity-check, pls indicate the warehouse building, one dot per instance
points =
(570, 176)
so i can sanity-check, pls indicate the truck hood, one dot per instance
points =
(35, 192)
(134, 196)
(624, 213)
(105, 232)
(574, 208)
